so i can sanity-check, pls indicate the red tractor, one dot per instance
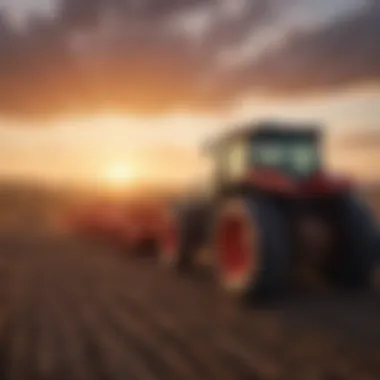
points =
(276, 218)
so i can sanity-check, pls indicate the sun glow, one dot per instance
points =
(119, 175)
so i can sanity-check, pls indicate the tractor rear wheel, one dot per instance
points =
(362, 244)
(251, 249)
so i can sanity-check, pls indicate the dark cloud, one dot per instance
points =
(160, 7)
(82, 13)
(254, 15)
(345, 53)
(145, 65)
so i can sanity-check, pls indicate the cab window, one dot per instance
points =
(298, 157)
(234, 160)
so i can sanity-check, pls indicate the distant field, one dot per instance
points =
(28, 208)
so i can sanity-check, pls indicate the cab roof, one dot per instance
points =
(265, 129)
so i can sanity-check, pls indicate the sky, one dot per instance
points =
(88, 86)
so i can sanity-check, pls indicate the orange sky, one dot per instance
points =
(165, 149)
(89, 87)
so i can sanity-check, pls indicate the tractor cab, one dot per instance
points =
(293, 153)
(274, 157)
(280, 149)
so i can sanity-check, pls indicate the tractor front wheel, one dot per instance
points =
(186, 236)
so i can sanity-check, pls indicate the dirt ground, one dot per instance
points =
(72, 310)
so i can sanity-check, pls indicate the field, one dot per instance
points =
(71, 310)
(75, 310)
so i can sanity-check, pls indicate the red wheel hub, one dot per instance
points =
(234, 248)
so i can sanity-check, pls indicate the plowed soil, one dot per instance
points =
(74, 310)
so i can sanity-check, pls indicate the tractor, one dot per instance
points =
(276, 219)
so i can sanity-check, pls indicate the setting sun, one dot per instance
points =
(119, 175)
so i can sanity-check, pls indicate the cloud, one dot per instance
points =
(344, 53)
(158, 56)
